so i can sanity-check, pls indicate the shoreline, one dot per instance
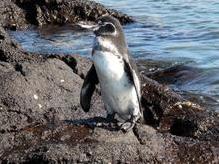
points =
(42, 121)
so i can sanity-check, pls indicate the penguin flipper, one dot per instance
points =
(132, 73)
(88, 88)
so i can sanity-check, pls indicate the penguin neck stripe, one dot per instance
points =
(106, 45)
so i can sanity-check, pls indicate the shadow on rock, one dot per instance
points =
(96, 122)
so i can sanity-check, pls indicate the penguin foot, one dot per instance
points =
(112, 122)
(127, 126)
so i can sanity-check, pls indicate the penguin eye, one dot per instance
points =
(105, 29)
(109, 27)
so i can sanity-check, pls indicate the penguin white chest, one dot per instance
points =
(119, 95)
(109, 66)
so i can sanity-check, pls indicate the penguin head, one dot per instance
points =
(110, 30)
(108, 26)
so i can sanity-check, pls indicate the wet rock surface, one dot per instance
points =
(41, 120)
(18, 14)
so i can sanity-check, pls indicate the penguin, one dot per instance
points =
(115, 70)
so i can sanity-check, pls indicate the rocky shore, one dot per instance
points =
(41, 120)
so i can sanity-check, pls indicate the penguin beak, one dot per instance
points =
(89, 26)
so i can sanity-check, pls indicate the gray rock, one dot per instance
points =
(41, 120)
(19, 14)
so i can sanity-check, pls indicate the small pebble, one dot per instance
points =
(189, 104)
(62, 80)
(180, 106)
(40, 106)
(35, 97)
(99, 124)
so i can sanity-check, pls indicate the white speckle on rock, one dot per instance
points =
(65, 137)
(40, 106)
(99, 124)
(180, 106)
(62, 80)
(35, 97)
(152, 69)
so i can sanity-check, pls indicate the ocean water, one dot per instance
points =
(168, 33)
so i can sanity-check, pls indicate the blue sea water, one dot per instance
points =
(176, 32)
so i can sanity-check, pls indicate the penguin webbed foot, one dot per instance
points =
(129, 124)
(111, 120)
